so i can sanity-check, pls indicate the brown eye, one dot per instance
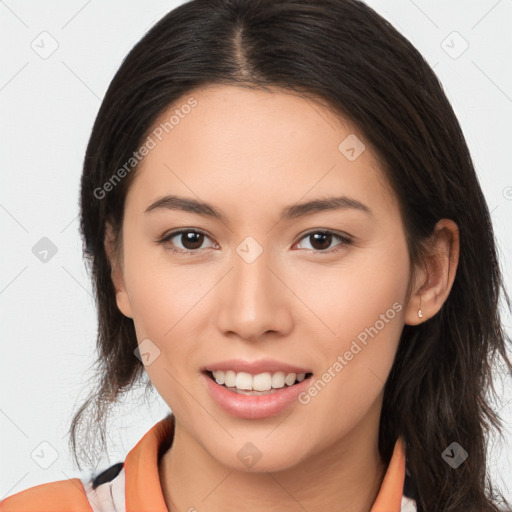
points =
(191, 240)
(322, 240)
(186, 241)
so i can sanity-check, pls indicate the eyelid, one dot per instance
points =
(340, 234)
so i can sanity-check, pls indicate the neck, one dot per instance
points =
(345, 477)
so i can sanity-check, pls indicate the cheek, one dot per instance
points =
(363, 305)
(168, 305)
(164, 302)
(160, 294)
(150, 294)
(351, 297)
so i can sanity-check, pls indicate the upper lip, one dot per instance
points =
(255, 367)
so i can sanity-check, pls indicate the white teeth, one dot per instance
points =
(243, 381)
(230, 379)
(261, 382)
(290, 379)
(278, 380)
(219, 377)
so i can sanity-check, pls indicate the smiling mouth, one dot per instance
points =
(254, 392)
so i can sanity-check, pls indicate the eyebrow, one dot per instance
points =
(173, 202)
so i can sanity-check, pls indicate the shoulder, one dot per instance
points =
(60, 496)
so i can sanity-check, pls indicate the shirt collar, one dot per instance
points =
(144, 492)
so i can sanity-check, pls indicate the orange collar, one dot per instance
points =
(144, 492)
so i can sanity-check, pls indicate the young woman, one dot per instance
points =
(288, 238)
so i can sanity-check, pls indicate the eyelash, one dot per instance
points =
(345, 241)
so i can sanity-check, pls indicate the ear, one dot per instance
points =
(122, 299)
(433, 283)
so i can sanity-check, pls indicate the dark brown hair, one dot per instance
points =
(344, 53)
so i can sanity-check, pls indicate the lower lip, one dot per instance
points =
(254, 407)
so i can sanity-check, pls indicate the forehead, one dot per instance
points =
(228, 143)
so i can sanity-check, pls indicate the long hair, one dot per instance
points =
(357, 64)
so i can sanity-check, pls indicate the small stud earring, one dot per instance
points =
(420, 313)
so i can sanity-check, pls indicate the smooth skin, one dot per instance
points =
(250, 154)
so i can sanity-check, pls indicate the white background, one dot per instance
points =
(47, 110)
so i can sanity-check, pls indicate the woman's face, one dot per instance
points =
(261, 283)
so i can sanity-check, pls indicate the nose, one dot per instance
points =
(254, 301)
